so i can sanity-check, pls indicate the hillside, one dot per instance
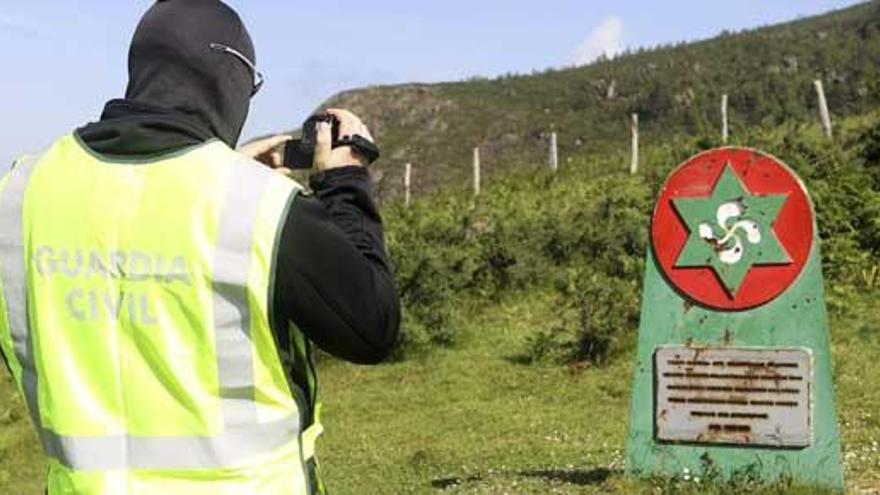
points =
(767, 73)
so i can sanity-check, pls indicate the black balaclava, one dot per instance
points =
(172, 66)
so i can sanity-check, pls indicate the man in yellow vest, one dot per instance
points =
(159, 291)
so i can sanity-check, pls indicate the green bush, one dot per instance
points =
(597, 318)
(583, 233)
(432, 257)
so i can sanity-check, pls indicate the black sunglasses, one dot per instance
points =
(258, 76)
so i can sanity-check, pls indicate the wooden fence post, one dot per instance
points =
(554, 153)
(725, 130)
(634, 127)
(407, 184)
(476, 171)
(823, 108)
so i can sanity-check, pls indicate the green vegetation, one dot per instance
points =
(22, 468)
(472, 420)
(582, 235)
(544, 270)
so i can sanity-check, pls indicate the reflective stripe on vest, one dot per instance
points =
(242, 436)
(13, 271)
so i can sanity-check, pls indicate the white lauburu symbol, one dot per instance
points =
(730, 245)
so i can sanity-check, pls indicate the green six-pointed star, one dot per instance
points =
(731, 231)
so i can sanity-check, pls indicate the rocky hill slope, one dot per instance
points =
(676, 89)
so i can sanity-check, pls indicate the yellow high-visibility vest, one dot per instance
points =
(135, 318)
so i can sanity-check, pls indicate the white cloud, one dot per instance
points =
(605, 39)
(18, 24)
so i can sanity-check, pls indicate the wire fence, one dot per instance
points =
(553, 152)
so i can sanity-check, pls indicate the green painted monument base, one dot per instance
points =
(795, 319)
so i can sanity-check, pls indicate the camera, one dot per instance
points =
(299, 154)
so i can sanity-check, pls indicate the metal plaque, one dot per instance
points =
(739, 396)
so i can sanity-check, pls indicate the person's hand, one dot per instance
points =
(327, 158)
(268, 151)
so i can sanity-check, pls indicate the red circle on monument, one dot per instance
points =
(761, 175)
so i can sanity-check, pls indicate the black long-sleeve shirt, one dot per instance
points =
(333, 278)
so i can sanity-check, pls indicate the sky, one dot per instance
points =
(62, 60)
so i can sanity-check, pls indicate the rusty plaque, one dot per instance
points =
(735, 396)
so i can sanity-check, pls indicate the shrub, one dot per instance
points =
(585, 230)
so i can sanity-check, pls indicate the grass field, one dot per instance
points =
(472, 419)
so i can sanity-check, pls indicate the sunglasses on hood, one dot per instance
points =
(258, 76)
